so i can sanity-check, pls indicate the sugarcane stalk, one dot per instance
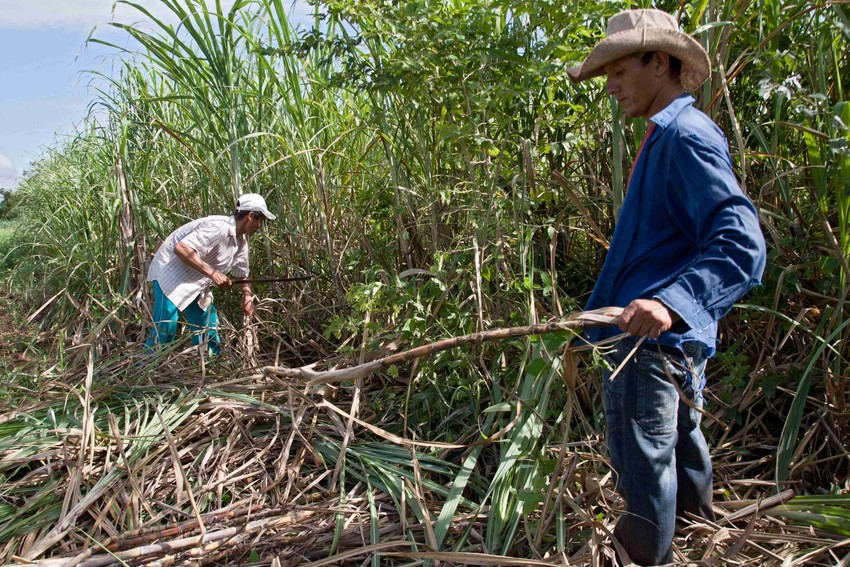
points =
(163, 548)
(760, 506)
(596, 318)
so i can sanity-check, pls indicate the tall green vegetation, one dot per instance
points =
(435, 171)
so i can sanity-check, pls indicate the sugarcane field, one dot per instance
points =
(370, 282)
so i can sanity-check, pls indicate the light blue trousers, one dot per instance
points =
(203, 324)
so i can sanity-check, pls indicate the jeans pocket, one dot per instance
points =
(657, 400)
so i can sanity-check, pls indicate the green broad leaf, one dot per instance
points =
(554, 342)
(546, 466)
(530, 499)
(712, 25)
(505, 406)
(770, 383)
(537, 367)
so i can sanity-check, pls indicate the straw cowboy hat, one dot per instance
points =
(636, 31)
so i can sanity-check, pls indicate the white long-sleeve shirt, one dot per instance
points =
(214, 239)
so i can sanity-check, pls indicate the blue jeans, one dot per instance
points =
(203, 324)
(659, 456)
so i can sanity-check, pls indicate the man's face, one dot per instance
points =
(253, 223)
(634, 84)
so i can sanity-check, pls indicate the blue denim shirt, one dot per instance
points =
(687, 235)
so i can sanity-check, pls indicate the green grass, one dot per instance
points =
(8, 241)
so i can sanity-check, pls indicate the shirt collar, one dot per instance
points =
(672, 110)
(231, 226)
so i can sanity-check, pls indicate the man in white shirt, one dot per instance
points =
(196, 256)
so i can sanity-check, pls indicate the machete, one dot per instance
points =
(272, 280)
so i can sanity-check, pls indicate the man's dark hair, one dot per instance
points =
(242, 214)
(675, 63)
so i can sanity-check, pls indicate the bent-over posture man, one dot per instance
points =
(196, 256)
(686, 246)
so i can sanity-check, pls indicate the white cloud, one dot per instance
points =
(78, 14)
(8, 173)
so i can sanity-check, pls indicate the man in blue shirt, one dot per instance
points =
(687, 245)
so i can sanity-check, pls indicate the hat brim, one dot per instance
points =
(696, 67)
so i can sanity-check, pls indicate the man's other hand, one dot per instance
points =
(248, 305)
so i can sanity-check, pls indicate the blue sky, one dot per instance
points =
(43, 58)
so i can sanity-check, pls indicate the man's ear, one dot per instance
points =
(660, 63)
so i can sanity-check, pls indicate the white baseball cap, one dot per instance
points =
(255, 203)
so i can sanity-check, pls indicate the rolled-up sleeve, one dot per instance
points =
(705, 199)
